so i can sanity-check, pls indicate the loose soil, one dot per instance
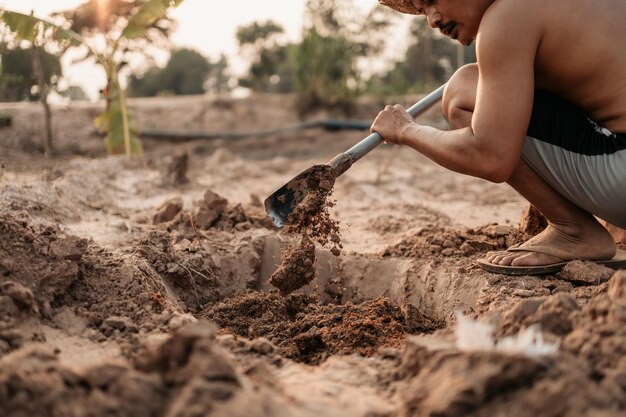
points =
(147, 287)
(311, 219)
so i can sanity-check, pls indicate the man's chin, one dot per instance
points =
(465, 41)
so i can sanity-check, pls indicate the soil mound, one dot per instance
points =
(213, 212)
(440, 241)
(185, 375)
(189, 270)
(44, 272)
(308, 332)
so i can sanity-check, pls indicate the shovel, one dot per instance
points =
(284, 200)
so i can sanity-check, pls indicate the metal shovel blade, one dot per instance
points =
(284, 200)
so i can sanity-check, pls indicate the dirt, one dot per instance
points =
(305, 331)
(124, 291)
(296, 269)
(311, 220)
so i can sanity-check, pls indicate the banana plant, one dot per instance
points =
(115, 122)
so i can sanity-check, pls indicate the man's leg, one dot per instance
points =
(571, 230)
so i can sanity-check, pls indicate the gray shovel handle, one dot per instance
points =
(343, 161)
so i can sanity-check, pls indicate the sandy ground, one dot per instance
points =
(138, 288)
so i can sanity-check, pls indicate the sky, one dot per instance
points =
(209, 26)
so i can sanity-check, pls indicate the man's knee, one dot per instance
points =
(459, 96)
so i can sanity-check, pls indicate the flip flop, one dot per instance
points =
(617, 262)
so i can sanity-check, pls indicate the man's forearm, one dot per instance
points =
(458, 150)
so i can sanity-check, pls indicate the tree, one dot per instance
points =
(17, 77)
(141, 22)
(219, 77)
(325, 68)
(30, 74)
(270, 68)
(429, 62)
(185, 73)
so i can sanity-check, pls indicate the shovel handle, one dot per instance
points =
(343, 161)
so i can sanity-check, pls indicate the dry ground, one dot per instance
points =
(126, 290)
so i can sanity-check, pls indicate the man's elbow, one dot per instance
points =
(495, 170)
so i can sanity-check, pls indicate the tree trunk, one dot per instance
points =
(43, 91)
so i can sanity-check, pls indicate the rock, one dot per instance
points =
(532, 221)
(585, 272)
(179, 320)
(523, 293)
(448, 244)
(554, 315)
(617, 288)
(522, 310)
(214, 201)
(176, 173)
(467, 249)
(123, 324)
(168, 210)
(447, 252)
(8, 307)
(497, 231)
(21, 295)
(481, 244)
(212, 209)
(619, 235)
(262, 345)
(71, 248)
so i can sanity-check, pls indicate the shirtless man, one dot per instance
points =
(544, 109)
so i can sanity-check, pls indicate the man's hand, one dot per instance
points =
(391, 124)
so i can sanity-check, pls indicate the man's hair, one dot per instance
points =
(404, 6)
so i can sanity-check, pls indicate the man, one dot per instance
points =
(544, 109)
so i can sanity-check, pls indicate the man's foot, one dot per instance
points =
(559, 244)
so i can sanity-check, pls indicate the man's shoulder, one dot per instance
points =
(509, 21)
(513, 14)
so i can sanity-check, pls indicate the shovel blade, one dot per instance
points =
(283, 201)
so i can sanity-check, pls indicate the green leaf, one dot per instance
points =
(146, 16)
(111, 123)
(27, 27)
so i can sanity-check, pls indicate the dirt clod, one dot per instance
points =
(176, 172)
(168, 210)
(310, 219)
(532, 222)
(297, 268)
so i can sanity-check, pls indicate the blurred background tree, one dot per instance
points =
(186, 72)
(430, 60)
(271, 66)
(219, 81)
(344, 53)
(335, 38)
(17, 79)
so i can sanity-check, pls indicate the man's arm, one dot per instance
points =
(506, 46)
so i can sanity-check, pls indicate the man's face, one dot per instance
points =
(458, 19)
